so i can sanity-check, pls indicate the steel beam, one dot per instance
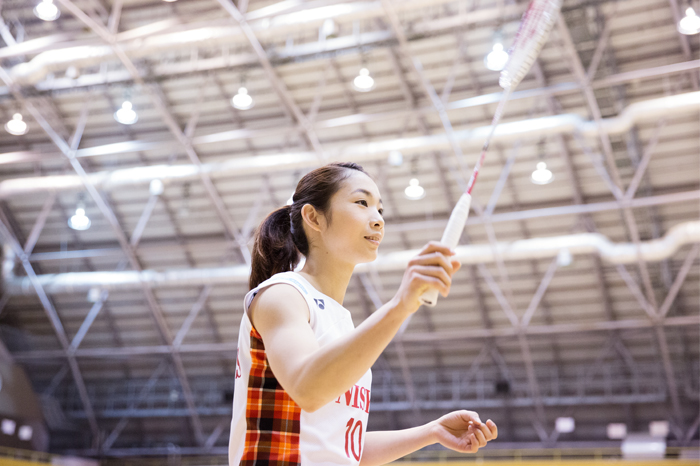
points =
(153, 306)
(589, 95)
(89, 319)
(143, 220)
(678, 282)
(428, 88)
(413, 337)
(60, 332)
(166, 244)
(627, 214)
(398, 344)
(684, 41)
(114, 434)
(39, 223)
(539, 294)
(194, 312)
(275, 81)
(507, 132)
(170, 122)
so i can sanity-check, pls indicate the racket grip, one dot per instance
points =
(450, 237)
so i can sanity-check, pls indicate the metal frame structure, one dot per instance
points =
(521, 336)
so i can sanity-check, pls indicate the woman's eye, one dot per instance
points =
(364, 202)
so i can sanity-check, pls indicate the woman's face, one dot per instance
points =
(356, 216)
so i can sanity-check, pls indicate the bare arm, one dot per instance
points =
(460, 431)
(315, 376)
(383, 447)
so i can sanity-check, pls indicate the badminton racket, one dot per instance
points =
(535, 26)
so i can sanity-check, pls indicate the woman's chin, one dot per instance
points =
(371, 257)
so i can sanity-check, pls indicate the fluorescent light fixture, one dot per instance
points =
(79, 221)
(395, 158)
(542, 175)
(363, 82)
(617, 431)
(658, 429)
(496, 59)
(16, 125)
(126, 115)
(242, 100)
(8, 426)
(690, 23)
(25, 433)
(414, 190)
(565, 425)
(47, 11)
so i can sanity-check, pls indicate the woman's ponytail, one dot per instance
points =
(280, 239)
(274, 250)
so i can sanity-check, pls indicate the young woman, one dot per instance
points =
(303, 379)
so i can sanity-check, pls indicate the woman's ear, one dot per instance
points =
(314, 219)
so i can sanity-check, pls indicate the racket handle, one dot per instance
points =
(450, 238)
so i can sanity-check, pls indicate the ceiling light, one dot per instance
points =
(126, 115)
(16, 125)
(414, 190)
(47, 11)
(25, 433)
(690, 24)
(94, 294)
(658, 429)
(242, 100)
(565, 425)
(363, 82)
(542, 175)
(395, 158)
(79, 221)
(617, 431)
(8, 426)
(564, 258)
(156, 187)
(496, 59)
(72, 72)
(329, 29)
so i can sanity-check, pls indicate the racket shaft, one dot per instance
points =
(450, 238)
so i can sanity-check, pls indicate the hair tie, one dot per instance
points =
(291, 222)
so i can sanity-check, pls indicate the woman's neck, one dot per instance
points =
(328, 277)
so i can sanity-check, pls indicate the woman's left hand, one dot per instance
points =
(463, 431)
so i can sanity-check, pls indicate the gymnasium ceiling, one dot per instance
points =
(581, 324)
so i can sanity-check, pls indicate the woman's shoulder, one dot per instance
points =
(273, 298)
(289, 277)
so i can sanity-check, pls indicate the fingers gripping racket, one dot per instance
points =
(537, 22)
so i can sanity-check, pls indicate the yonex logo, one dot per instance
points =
(319, 303)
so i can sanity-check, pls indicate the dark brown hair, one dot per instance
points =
(280, 238)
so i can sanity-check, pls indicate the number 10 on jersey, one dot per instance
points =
(353, 439)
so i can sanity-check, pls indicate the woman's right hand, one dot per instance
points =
(432, 268)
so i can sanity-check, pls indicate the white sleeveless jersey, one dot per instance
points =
(268, 427)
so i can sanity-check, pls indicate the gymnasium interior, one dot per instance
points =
(145, 140)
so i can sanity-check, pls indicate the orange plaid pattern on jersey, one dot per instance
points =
(272, 417)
